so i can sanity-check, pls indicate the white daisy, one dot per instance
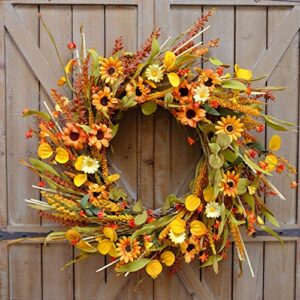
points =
(177, 238)
(201, 94)
(213, 210)
(89, 165)
(154, 73)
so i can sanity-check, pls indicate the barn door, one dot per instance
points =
(150, 151)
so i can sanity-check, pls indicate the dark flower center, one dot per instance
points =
(138, 92)
(190, 114)
(128, 248)
(190, 247)
(229, 128)
(208, 82)
(230, 183)
(111, 70)
(74, 136)
(96, 194)
(183, 91)
(104, 101)
(100, 135)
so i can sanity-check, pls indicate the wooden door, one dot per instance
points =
(151, 152)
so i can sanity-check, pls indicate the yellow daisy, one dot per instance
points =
(110, 69)
(229, 184)
(128, 251)
(230, 126)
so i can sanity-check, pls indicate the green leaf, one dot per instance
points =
(141, 218)
(234, 85)
(40, 114)
(225, 235)
(171, 199)
(84, 201)
(214, 148)
(211, 260)
(116, 193)
(210, 110)
(147, 229)
(242, 186)
(229, 155)
(154, 50)
(86, 128)
(276, 124)
(223, 140)
(115, 129)
(216, 161)
(168, 98)
(95, 63)
(223, 219)
(272, 232)
(134, 265)
(149, 108)
(215, 61)
(42, 166)
(81, 256)
(250, 200)
(271, 219)
(258, 146)
(138, 206)
(254, 166)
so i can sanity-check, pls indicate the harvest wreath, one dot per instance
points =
(231, 179)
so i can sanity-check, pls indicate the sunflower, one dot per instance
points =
(103, 100)
(183, 93)
(190, 248)
(74, 136)
(229, 183)
(231, 126)
(141, 90)
(128, 251)
(98, 191)
(209, 78)
(201, 93)
(110, 69)
(99, 136)
(155, 73)
(191, 114)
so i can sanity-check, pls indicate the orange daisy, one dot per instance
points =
(99, 136)
(190, 115)
(103, 100)
(74, 136)
(229, 183)
(190, 248)
(230, 126)
(128, 251)
(183, 93)
(141, 90)
(209, 78)
(110, 69)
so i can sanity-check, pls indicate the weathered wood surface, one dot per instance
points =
(151, 152)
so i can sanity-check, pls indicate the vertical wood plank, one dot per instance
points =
(279, 269)
(25, 272)
(22, 91)
(250, 44)
(4, 278)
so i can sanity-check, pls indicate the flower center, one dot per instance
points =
(100, 135)
(230, 183)
(190, 247)
(74, 136)
(208, 82)
(138, 92)
(183, 91)
(212, 209)
(104, 101)
(229, 128)
(190, 114)
(111, 70)
(96, 194)
(128, 248)
(154, 73)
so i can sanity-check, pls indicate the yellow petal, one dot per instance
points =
(112, 178)
(198, 228)
(168, 258)
(275, 143)
(61, 81)
(62, 155)
(174, 79)
(178, 226)
(86, 247)
(113, 251)
(192, 202)
(104, 246)
(243, 73)
(110, 233)
(169, 60)
(154, 268)
(72, 235)
(80, 179)
(69, 66)
(78, 162)
(44, 150)
(208, 194)
(272, 161)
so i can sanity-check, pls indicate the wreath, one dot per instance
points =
(222, 111)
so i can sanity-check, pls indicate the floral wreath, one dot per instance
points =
(222, 110)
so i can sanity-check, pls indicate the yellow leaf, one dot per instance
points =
(61, 81)
(169, 60)
(104, 246)
(73, 235)
(44, 150)
(192, 202)
(78, 162)
(62, 155)
(198, 228)
(178, 226)
(168, 258)
(208, 194)
(271, 161)
(86, 247)
(260, 220)
(110, 233)
(243, 73)
(275, 143)
(174, 79)
(113, 251)
(112, 178)
(69, 66)
(80, 179)
(154, 268)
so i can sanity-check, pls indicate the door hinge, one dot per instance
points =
(291, 232)
(12, 235)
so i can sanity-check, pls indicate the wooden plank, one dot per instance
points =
(4, 278)
(279, 270)
(76, 2)
(57, 284)
(236, 2)
(27, 45)
(250, 41)
(22, 92)
(25, 272)
(277, 47)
